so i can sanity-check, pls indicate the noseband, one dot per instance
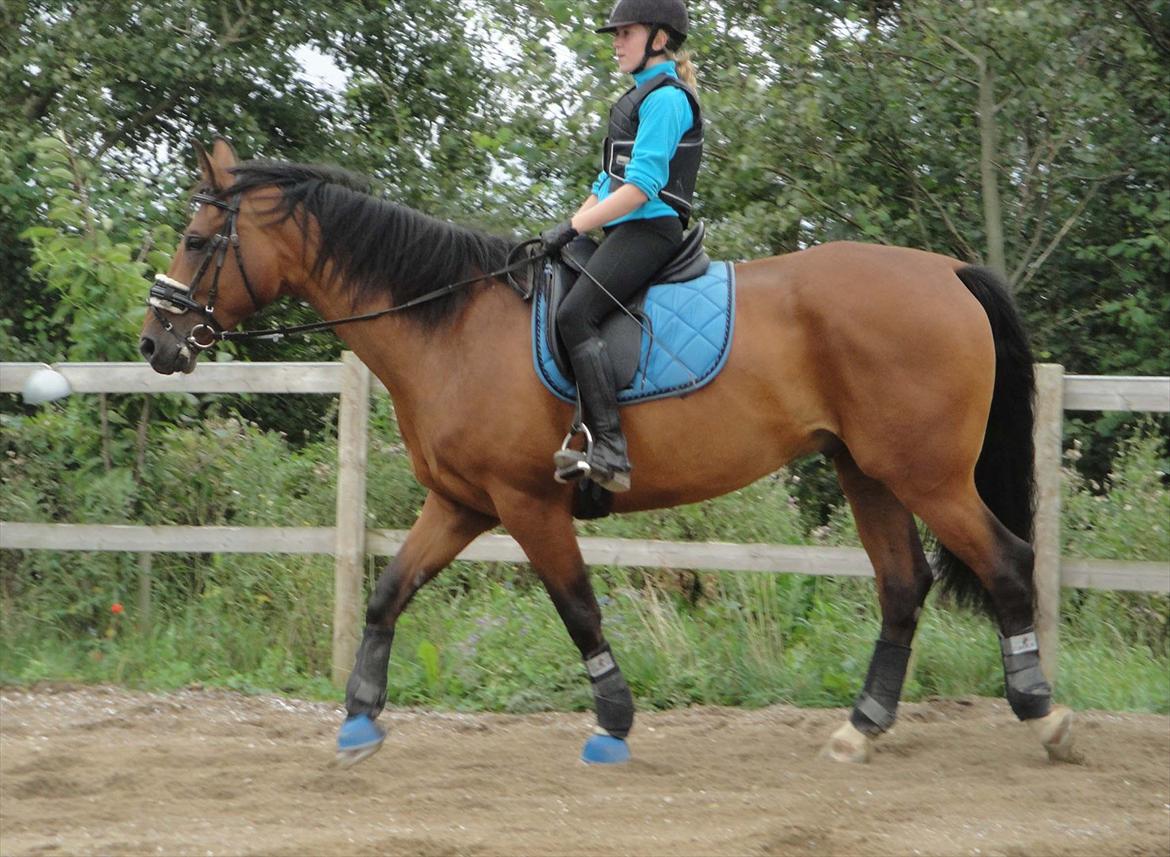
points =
(169, 295)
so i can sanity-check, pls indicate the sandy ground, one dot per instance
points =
(94, 770)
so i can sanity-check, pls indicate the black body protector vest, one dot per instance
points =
(679, 189)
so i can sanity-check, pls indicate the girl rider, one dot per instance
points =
(642, 199)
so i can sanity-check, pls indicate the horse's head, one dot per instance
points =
(225, 269)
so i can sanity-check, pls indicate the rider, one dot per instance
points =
(642, 199)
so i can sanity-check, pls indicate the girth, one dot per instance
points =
(622, 332)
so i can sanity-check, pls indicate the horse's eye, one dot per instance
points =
(196, 242)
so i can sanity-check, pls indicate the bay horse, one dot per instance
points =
(908, 369)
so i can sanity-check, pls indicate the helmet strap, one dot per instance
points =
(649, 49)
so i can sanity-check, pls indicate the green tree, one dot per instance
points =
(131, 84)
(1028, 135)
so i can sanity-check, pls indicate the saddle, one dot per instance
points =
(621, 332)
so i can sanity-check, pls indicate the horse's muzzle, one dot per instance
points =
(166, 356)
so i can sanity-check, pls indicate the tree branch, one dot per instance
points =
(231, 35)
(146, 116)
(900, 164)
(1161, 40)
(1038, 233)
(919, 60)
(1068, 224)
(817, 200)
(945, 39)
(36, 106)
(79, 185)
(1053, 148)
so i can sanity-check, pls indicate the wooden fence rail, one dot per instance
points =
(349, 541)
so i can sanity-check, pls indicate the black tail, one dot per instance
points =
(1003, 474)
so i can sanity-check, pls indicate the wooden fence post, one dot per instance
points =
(1048, 432)
(350, 552)
(145, 585)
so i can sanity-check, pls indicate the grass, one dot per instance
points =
(485, 636)
(497, 645)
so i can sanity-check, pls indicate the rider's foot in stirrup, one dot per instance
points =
(572, 464)
(617, 481)
(609, 463)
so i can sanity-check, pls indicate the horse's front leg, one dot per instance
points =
(545, 531)
(442, 530)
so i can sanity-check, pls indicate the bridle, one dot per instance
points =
(169, 295)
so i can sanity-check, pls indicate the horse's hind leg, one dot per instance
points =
(545, 531)
(1003, 564)
(890, 537)
(442, 530)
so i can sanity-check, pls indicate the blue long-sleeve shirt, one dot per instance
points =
(663, 118)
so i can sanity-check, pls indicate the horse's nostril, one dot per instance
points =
(146, 347)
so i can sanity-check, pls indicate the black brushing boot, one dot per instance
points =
(607, 463)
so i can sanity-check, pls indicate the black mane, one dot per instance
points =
(373, 246)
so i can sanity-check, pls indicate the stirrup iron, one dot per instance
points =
(572, 464)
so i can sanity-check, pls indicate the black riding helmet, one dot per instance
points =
(668, 15)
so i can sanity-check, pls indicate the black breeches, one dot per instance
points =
(626, 260)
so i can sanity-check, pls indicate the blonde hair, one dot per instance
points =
(684, 66)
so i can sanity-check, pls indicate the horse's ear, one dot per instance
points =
(223, 154)
(205, 167)
(216, 165)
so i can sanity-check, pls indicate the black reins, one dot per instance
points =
(176, 298)
(278, 333)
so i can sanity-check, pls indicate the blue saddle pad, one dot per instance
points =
(685, 342)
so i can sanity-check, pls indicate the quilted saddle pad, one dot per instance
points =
(686, 337)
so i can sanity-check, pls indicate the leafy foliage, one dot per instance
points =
(484, 636)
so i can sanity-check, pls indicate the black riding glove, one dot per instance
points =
(556, 237)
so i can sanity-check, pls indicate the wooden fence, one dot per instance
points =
(349, 541)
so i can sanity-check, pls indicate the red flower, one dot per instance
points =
(116, 608)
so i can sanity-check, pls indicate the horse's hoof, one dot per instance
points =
(605, 750)
(1055, 733)
(359, 738)
(848, 745)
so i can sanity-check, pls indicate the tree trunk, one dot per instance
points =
(992, 211)
(141, 436)
(107, 439)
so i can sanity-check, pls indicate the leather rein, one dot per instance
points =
(169, 295)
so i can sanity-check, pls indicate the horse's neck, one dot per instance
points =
(410, 358)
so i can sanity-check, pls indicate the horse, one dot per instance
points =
(909, 370)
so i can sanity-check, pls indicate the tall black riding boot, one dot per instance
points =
(609, 464)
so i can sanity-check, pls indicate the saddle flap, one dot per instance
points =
(623, 340)
(577, 253)
(690, 262)
(560, 274)
(622, 334)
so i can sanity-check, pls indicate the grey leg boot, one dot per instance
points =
(608, 464)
